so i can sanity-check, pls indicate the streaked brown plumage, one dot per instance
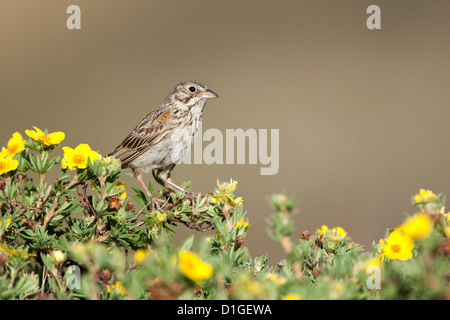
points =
(161, 139)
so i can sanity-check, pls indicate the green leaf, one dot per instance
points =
(151, 189)
(187, 244)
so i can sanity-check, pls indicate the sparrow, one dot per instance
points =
(162, 138)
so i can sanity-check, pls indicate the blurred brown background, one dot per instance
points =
(362, 114)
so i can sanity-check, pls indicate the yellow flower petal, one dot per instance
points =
(275, 278)
(7, 222)
(32, 134)
(117, 288)
(160, 216)
(123, 195)
(291, 296)
(228, 188)
(193, 267)
(55, 138)
(121, 186)
(216, 199)
(241, 223)
(418, 226)
(8, 164)
(238, 200)
(140, 255)
(340, 231)
(15, 145)
(376, 261)
(322, 230)
(4, 153)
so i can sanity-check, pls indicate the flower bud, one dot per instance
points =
(58, 256)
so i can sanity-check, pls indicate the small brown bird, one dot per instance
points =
(161, 139)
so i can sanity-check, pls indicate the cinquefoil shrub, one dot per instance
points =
(82, 237)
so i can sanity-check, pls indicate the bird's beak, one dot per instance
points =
(209, 94)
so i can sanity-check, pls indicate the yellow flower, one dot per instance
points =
(424, 196)
(275, 278)
(291, 296)
(160, 216)
(47, 140)
(116, 288)
(227, 199)
(141, 254)
(241, 223)
(7, 221)
(238, 200)
(216, 199)
(228, 188)
(340, 231)
(225, 190)
(418, 226)
(193, 267)
(15, 145)
(121, 186)
(7, 164)
(397, 246)
(78, 157)
(335, 234)
(322, 230)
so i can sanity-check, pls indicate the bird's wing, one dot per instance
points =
(150, 131)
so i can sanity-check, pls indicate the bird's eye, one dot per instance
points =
(192, 89)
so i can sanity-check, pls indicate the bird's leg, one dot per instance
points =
(163, 178)
(187, 194)
(170, 183)
(154, 201)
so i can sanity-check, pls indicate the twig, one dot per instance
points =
(195, 225)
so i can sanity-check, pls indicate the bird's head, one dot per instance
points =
(190, 93)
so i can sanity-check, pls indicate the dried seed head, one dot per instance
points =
(114, 204)
(130, 207)
(305, 235)
(104, 275)
(239, 241)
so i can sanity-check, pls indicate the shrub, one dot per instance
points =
(82, 237)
